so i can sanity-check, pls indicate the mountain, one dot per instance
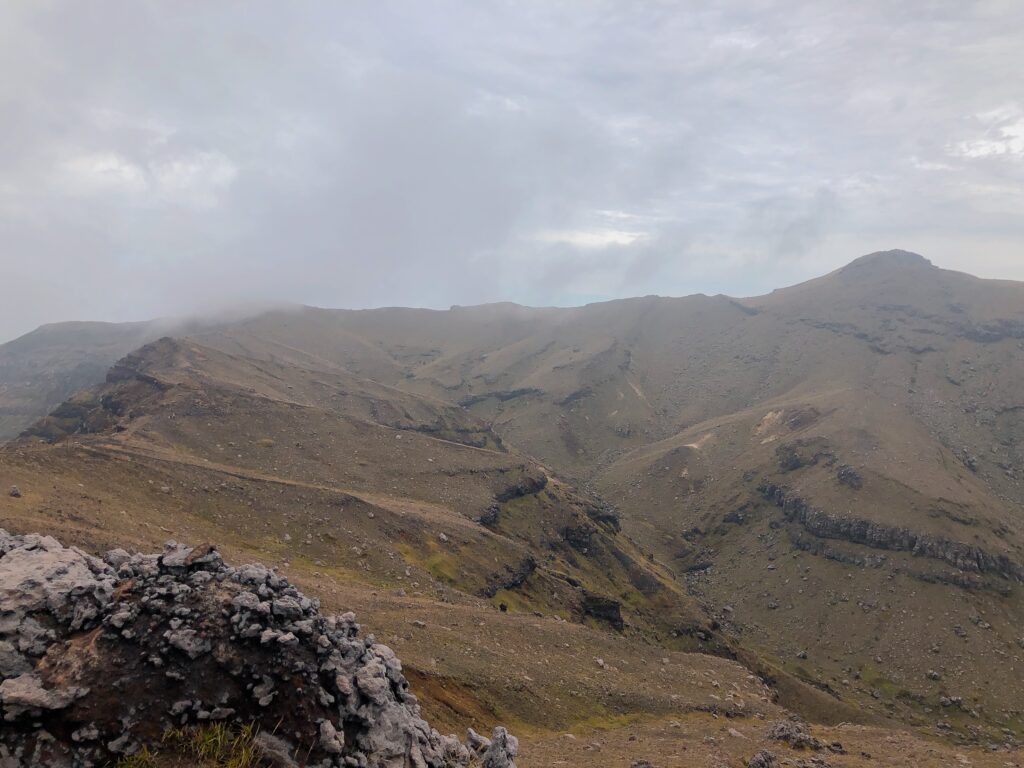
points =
(822, 484)
(40, 369)
(432, 482)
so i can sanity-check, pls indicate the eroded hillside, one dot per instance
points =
(824, 483)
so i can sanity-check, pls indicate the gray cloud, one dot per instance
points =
(161, 158)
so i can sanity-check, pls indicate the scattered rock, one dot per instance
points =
(15, 492)
(763, 759)
(795, 733)
(848, 476)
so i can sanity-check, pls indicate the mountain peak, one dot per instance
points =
(895, 258)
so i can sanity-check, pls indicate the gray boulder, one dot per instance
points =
(114, 658)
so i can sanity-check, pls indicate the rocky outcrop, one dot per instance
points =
(820, 548)
(574, 396)
(804, 453)
(604, 514)
(125, 396)
(501, 396)
(825, 525)
(526, 486)
(603, 609)
(100, 658)
(993, 331)
(578, 536)
(794, 733)
(511, 578)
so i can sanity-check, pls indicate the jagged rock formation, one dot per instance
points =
(100, 657)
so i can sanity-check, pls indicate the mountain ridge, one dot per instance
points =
(817, 480)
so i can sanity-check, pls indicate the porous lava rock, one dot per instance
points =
(99, 658)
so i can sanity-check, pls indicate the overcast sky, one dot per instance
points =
(169, 158)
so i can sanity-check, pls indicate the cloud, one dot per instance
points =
(195, 180)
(1001, 135)
(590, 238)
(159, 159)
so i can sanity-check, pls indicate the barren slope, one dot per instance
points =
(833, 470)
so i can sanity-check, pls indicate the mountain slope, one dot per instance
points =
(434, 488)
(833, 470)
(39, 370)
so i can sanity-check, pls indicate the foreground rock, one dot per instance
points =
(99, 658)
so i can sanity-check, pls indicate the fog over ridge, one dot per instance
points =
(160, 159)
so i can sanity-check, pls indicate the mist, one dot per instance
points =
(183, 160)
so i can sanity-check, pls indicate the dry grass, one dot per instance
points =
(218, 745)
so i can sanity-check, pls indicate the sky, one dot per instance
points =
(184, 157)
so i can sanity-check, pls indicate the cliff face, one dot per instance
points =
(103, 658)
(825, 525)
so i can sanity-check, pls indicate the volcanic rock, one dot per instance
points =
(97, 662)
